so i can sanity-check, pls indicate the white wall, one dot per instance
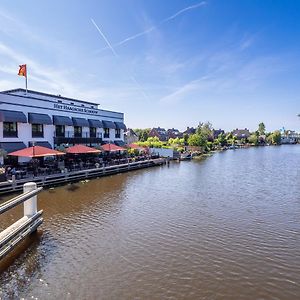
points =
(46, 105)
(162, 152)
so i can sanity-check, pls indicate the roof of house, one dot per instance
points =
(241, 132)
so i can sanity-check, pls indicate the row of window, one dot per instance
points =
(10, 129)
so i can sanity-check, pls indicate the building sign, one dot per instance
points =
(76, 109)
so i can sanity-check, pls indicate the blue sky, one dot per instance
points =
(163, 63)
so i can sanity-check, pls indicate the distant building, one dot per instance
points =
(217, 132)
(161, 133)
(130, 137)
(174, 133)
(241, 133)
(289, 136)
(189, 131)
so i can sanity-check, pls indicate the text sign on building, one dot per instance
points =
(75, 109)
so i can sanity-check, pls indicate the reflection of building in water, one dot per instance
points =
(52, 120)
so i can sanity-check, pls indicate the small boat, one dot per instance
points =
(185, 156)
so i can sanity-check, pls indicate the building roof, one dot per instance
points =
(19, 90)
(241, 132)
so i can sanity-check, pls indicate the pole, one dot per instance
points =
(30, 205)
(26, 79)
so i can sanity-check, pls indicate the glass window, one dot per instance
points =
(106, 133)
(37, 130)
(118, 133)
(92, 131)
(10, 129)
(60, 130)
(77, 131)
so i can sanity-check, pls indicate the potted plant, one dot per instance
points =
(2, 175)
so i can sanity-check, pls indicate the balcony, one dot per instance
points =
(69, 138)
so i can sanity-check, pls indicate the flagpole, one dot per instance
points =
(26, 79)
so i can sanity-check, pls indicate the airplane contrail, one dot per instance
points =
(130, 38)
(105, 39)
(183, 10)
(117, 56)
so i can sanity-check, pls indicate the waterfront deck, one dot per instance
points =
(61, 178)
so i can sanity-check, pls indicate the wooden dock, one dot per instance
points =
(61, 178)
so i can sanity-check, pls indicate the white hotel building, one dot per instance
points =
(52, 120)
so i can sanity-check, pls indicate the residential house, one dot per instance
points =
(174, 133)
(130, 137)
(161, 133)
(241, 133)
(189, 131)
(217, 132)
(289, 136)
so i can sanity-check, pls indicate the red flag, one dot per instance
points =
(22, 70)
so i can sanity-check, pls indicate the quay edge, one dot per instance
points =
(63, 178)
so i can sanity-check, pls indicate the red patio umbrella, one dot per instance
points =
(135, 146)
(112, 148)
(36, 151)
(81, 149)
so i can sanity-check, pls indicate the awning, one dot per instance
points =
(62, 120)
(43, 144)
(80, 122)
(95, 123)
(34, 118)
(120, 125)
(12, 146)
(109, 124)
(12, 116)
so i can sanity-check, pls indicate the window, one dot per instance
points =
(37, 130)
(10, 129)
(60, 130)
(106, 133)
(93, 132)
(118, 133)
(77, 131)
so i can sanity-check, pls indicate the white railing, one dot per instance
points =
(32, 219)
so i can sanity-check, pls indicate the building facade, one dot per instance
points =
(53, 121)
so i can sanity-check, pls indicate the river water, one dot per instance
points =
(225, 227)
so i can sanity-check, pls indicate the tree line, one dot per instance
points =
(204, 138)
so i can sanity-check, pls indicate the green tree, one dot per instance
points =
(197, 140)
(221, 139)
(142, 134)
(205, 130)
(261, 128)
(277, 137)
(274, 138)
(253, 139)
